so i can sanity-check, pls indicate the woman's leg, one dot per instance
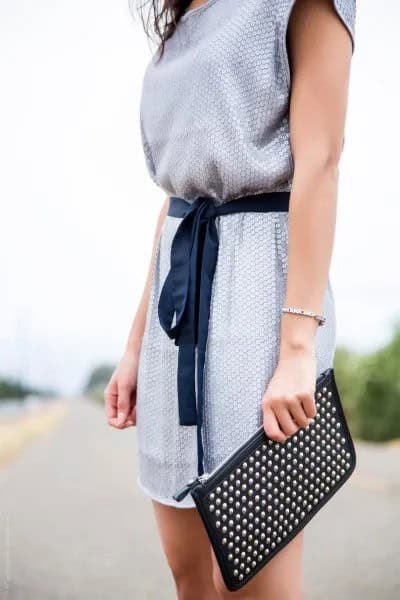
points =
(187, 549)
(280, 579)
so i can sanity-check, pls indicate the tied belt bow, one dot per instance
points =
(184, 303)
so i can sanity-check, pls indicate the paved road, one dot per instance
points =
(73, 525)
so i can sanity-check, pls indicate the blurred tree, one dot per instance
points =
(378, 398)
(348, 379)
(97, 381)
(16, 390)
(10, 388)
(369, 386)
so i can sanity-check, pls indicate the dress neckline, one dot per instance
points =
(197, 9)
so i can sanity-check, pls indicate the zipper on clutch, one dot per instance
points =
(183, 492)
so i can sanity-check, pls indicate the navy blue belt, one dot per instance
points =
(186, 293)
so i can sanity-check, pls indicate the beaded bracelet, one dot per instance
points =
(307, 313)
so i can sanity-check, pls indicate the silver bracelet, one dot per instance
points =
(307, 313)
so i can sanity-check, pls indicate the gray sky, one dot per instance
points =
(79, 209)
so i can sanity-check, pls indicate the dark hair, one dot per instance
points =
(159, 18)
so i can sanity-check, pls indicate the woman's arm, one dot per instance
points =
(120, 393)
(137, 329)
(320, 55)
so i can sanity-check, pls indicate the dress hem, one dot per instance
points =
(161, 499)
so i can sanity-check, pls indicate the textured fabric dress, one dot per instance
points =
(214, 122)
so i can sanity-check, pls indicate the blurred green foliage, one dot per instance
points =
(97, 381)
(16, 390)
(369, 386)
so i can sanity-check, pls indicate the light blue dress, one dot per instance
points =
(214, 122)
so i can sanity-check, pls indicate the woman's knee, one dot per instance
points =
(192, 574)
(182, 566)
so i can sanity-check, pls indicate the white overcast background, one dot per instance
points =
(78, 209)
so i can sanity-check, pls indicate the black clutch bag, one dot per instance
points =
(263, 494)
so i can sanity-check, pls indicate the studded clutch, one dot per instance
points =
(261, 496)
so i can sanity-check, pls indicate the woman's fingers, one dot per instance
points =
(131, 418)
(282, 417)
(271, 426)
(120, 393)
(111, 399)
(124, 403)
(308, 402)
(285, 420)
(288, 402)
(298, 414)
(118, 405)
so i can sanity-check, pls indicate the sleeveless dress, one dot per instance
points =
(214, 122)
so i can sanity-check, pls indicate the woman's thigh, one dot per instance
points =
(188, 551)
(280, 579)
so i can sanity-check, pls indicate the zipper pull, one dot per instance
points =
(183, 492)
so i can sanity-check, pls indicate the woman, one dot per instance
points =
(242, 102)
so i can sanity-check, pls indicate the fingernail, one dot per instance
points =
(121, 417)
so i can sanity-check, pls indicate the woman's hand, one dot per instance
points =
(288, 403)
(120, 393)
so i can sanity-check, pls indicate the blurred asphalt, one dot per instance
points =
(74, 526)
